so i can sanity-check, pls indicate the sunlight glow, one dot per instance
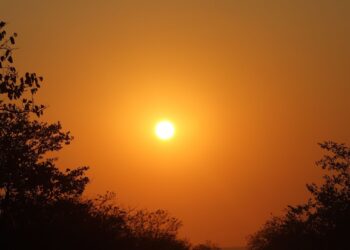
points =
(165, 130)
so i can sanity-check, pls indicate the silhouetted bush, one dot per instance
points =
(321, 223)
(206, 246)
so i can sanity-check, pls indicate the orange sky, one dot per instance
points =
(252, 86)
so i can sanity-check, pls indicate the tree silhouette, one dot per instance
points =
(30, 182)
(25, 172)
(206, 246)
(155, 230)
(321, 223)
(41, 206)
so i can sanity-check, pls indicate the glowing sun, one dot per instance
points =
(165, 130)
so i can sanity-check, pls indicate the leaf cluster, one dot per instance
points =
(16, 92)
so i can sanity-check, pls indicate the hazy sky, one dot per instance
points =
(252, 86)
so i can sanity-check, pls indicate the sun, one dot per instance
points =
(165, 130)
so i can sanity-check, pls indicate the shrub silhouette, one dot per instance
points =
(41, 207)
(321, 223)
(206, 246)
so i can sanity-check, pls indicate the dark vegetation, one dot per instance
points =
(323, 222)
(207, 246)
(41, 206)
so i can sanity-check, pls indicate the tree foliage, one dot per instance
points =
(25, 171)
(323, 222)
(206, 246)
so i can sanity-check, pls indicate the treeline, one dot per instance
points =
(41, 206)
(69, 223)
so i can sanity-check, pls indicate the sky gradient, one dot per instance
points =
(252, 87)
